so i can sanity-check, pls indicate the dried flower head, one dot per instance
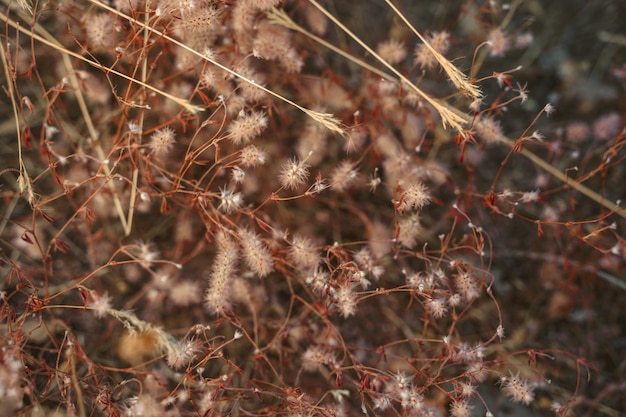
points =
(293, 174)
(440, 42)
(197, 24)
(414, 197)
(410, 229)
(144, 252)
(100, 31)
(345, 297)
(461, 408)
(303, 253)
(252, 156)
(517, 388)
(316, 356)
(488, 129)
(230, 201)
(217, 297)
(185, 293)
(256, 254)
(392, 51)
(274, 43)
(100, 303)
(499, 42)
(466, 284)
(246, 127)
(343, 176)
(182, 353)
(607, 126)
(437, 307)
(249, 91)
(162, 141)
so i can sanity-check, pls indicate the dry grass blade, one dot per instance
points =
(328, 120)
(448, 117)
(280, 18)
(182, 102)
(49, 40)
(617, 39)
(23, 181)
(455, 75)
(24, 4)
(584, 190)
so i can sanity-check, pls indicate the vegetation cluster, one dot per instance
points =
(301, 208)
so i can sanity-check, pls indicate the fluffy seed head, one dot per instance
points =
(392, 51)
(252, 156)
(182, 353)
(101, 304)
(293, 174)
(440, 42)
(518, 389)
(607, 126)
(100, 31)
(230, 201)
(246, 127)
(185, 293)
(256, 254)
(346, 300)
(273, 42)
(499, 42)
(316, 356)
(414, 197)
(466, 285)
(437, 307)
(161, 141)
(343, 176)
(410, 229)
(199, 22)
(461, 409)
(217, 297)
(303, 253)
(488, 129)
